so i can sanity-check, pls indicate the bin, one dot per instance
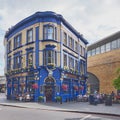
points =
(108, 100)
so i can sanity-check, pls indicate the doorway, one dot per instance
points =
(49, 89)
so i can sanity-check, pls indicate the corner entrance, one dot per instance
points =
(49, 89)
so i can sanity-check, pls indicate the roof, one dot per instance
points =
(44, 17)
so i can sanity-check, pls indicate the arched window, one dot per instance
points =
(50, 32)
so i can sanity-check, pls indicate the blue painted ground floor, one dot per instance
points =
(47, 83)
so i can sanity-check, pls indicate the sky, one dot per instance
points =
(95, 19)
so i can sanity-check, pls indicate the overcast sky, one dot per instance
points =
(95, 19)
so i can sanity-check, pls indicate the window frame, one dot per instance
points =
(65, 38)
(46, 32)
(52, 57)
(16, 63)
(29, 64)
(17, 41)
(29, 36)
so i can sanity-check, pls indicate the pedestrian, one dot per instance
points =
(113, 95)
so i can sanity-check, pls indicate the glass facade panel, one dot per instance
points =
(108, 47)
(119, 43)
(102, 48)
(89, 53)
(98, 50)
(93, 52)
(114, 44)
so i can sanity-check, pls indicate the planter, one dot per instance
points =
(40, 99)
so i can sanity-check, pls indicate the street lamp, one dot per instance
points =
(36, 78)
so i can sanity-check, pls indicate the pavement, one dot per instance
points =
(82, 107)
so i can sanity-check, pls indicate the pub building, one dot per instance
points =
(45, 56)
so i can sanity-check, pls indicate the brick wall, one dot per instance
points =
(104, 67)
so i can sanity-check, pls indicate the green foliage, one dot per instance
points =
(116, 82)
(58, 98)
(40, 98)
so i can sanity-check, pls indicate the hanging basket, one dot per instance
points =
(15, 85)
(65, 87)
(81, 87)
(9, 85)
(76, 87)
(35, 86)
(22, 84)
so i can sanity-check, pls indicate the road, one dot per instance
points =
(15, 113)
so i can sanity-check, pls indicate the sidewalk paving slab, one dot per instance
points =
(83, 107)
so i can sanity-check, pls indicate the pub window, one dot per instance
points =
(50, 32)
(76, 46)
(29, 35)
(70, 42)
(9, 46)
(30, 59)
(71, 63)
(17, 41)
(65, 60)
(9, 63)
(76, 65)
(17, 61)
(65, 38)
(50, 57)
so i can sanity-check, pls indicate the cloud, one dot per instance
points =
(95, 19)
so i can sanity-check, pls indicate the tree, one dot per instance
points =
(116, 81)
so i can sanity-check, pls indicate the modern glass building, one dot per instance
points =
(103, 62)
(45, 56)
(105, 45)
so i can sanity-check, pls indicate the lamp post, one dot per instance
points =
(36, 78)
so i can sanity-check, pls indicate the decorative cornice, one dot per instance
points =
(47, 16)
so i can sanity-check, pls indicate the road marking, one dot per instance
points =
(86, 117)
